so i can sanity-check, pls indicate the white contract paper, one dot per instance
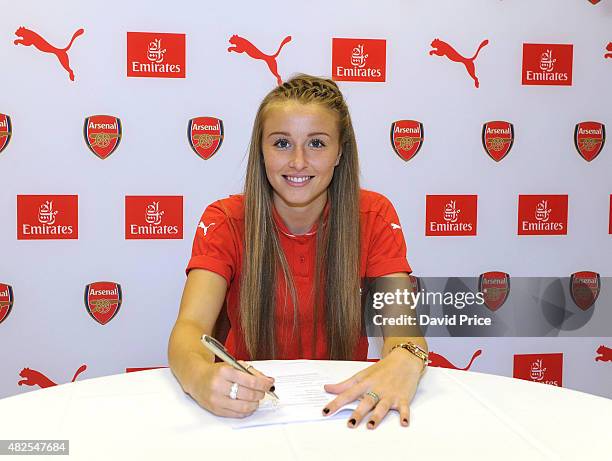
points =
(299, 386)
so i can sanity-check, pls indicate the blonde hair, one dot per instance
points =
(336, 284)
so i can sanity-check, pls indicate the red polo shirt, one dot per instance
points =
(218, 247)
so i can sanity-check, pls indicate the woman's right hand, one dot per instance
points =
(212, 384)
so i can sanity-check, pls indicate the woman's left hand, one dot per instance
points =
(394, 379)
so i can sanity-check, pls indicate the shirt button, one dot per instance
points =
(302, 259)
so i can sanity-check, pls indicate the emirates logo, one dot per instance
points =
(46, 213)
(451, 213)
(153, 214)
(358, 57)
(155, 53)
(547, 63)
(542, 212)
(537, 371)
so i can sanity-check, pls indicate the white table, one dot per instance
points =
(456, 415)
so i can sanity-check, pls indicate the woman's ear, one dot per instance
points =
(338, 157)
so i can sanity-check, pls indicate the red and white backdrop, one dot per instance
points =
(120, 124)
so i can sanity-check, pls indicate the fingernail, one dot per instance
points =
(405, 421)
(272, 389)
(371, 424)
(325, 411)
(352, 422)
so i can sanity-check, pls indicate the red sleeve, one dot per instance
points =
(387, 253)
(214, 248)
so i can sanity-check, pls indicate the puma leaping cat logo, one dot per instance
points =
(28, 37)
(242, 45)
(36, 378)
(441, 48)
(605, 354)
(395, 226)
(204, 227)
(437, 360)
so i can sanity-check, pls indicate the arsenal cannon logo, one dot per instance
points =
(584, 288)
(589, 139)
(102, 134)
(495, 287)
(6, 301)
(407, 138)
(497, 139)
(103, 300)
(205, 135)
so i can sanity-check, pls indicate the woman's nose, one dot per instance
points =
(298, 160)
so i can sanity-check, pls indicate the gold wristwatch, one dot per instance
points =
(415, 350)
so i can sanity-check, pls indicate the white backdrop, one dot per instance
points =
(49, 329)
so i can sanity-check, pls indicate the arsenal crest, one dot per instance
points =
(102, 134)
(495, 287)
(589, 139)
(6, 301)
(103, 300)
(497, 139)
(205, 135)
(5, 131)
(407, 138)
(584, 288)
(415, 283)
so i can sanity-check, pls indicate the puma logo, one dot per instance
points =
(204, 227)
(28, 37)
(608, 48)
(242, 45)
(395, 226)
(36, 378)
(605, 354)
(436, 360)
(441, 48)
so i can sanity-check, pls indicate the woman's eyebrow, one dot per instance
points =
(282, 133)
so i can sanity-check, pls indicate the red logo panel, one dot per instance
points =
(451, 215)
(407, 138)
(155, 54)
(153, 217)
(610, 217)
(497, 139)
(541, 368)
(542, 215)
(103, 300)
(547, 64)
(47, 217)
(6, 301)
(589, 139)
(359, 59)
(102, 134)
(495, 287)
(205, 135)
(584, 288)
(6, 131)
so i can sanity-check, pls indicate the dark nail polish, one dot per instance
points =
(272, 389)
(405, 421)
(325, 410)
(371, 423)
(352, 422)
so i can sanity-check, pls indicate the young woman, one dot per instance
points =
(285, 259)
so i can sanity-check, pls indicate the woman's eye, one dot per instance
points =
(282, 143)
(317, 143)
